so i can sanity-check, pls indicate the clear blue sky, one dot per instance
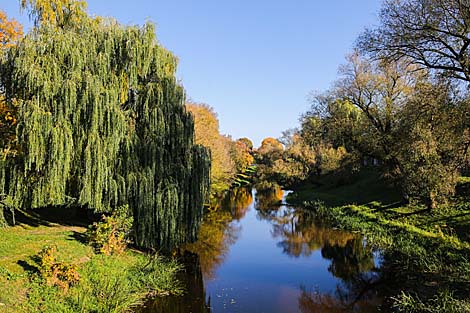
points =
(254, 61)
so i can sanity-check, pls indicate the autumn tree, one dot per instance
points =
(270, 147)
(207, 134)
(242, 154)
(10, 31)
(248, 143)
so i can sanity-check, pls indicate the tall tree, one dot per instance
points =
(431, 33)
(102, 123)
(379, 90)
(430, 142)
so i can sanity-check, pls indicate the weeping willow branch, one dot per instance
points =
(101, 120)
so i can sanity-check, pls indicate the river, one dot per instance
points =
(256, 254)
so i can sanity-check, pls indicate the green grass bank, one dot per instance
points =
(100, 283)
(426, 254)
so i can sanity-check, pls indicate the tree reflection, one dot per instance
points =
(218, 231)
(237, 201)
(268, 199)
(300, 234)
(314, 301)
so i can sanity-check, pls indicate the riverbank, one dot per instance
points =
(80, 280)
(427, 254)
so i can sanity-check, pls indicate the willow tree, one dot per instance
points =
(102, 123)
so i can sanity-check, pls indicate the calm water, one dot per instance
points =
(255, 255)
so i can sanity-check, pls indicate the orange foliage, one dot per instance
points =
(270, 145)
(10, 31)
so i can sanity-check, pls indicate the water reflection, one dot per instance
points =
(269, 199)
(275, 258)
(237, 202)
(217, 231)
(299, 234)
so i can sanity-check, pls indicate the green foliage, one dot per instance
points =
(111, 234)
(413, 128)
(157, 275)
(426, 176)
(102, 123)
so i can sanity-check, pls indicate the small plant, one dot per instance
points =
(110, 235)
(60, 274)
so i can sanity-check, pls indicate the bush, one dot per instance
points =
(54, 273)
(110, 235)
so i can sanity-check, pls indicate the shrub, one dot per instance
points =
(54, 273)
(110, 235)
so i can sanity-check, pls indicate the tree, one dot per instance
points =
(241, 154)
(270, 146)
(430, 142)
(10, 33)
(379, 90)
(431, 33)
(207, 134)
(102, 123)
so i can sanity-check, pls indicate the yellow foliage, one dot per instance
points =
(56, 12)
(59, 274)
(241, 155)
(206, 126)
(10, 31)
(270, 145)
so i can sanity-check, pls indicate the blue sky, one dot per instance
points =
(254, 61)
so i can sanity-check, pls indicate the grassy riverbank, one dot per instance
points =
(105, 284)
(427, 254)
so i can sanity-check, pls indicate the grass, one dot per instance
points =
(107, 283)
(427, 254)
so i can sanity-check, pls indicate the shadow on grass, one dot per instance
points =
(28, 268)
(49, 216)
(80, 237)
